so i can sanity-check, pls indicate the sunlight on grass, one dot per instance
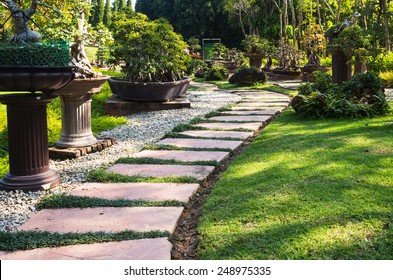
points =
(305, 189)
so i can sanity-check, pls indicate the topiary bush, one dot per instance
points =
(217, 73)
(248, 77)
(362, 96)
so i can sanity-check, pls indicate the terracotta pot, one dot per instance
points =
(148, 91)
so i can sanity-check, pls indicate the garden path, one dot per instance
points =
(209, 144)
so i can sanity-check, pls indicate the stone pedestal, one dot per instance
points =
(28, 143)
(76, 112)
(341, 70)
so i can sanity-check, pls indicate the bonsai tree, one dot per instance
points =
(314, 42)
(220, 50)
(353, 42)
(149, 51)
(256, 49)
(254, 45)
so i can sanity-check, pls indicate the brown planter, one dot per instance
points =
(38, 78)
(76, 112)
(255, 60)
(148, 91)
(28, 143)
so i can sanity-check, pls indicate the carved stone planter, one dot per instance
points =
(76, 112)
(28, 143)
(38, 78)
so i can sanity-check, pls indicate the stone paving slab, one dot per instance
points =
(107, 219)
(263, 104)
(256, 97)
(162, 170)
(142, 249)
(218, 134)
(241, 118)
(256, 108)
(200, 143)
(243, 113)
(231, 126)
(186, 156)
(137, 191)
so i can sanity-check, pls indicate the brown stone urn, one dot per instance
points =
(76, 112)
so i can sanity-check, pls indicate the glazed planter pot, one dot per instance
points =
(32, 79)
(76, 112)
(132, 91)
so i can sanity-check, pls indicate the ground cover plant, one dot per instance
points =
(305, 189)
(361, 96)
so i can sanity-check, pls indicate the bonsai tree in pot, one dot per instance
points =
(256, 49)
(28, 64)
(354, 43)
(152, 56)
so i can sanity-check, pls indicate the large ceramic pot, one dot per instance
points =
(38, 78)
(132, 91)
(76, 112)
(308, 70)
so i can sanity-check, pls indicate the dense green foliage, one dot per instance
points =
(361, 96)
(217, 73)
(151, 50)
(305, 189)
(248, 77)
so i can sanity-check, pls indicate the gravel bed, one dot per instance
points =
(142, 128)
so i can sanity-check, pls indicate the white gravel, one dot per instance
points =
(143, 128)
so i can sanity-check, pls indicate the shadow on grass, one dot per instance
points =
(319, 189)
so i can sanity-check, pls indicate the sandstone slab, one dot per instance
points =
(142, 249)
(185, 156)
(162, 170)
(200, 143)
(231, 126)
(241, 118)
(106, 219)
(245, 113)
(137, 191)
(218, 134)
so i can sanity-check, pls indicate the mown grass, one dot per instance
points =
(305, 189)
(28, 240)
(101, 175)
(58, 201)
(147, 160)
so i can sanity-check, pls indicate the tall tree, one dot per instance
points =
(106, 19)
(98, 13)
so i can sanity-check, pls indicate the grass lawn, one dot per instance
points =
(305, 189)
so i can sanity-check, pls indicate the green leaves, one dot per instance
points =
(151, 50)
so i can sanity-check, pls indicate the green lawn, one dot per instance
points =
(305, 189)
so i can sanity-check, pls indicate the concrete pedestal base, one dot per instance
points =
(118, 107)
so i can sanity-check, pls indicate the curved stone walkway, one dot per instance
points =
(211, 142)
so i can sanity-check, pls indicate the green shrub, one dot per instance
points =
(382, 63)
(387, 77)
(217, 73)
(248, 76)
(198, 67)
(362, 96)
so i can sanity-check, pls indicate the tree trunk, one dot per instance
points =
(21, 29)
(383, 9)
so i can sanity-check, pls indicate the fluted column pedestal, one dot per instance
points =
(76, 112)
(76, 121)
(28, 143)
